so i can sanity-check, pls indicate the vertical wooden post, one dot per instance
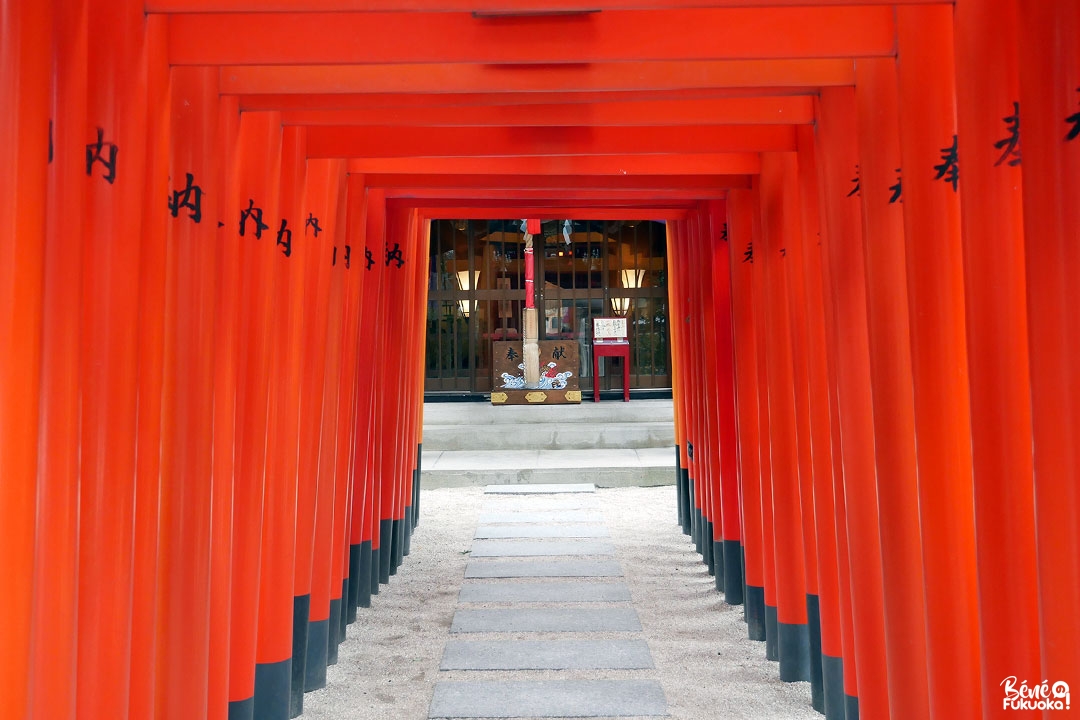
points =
(1049, 68)
(53, 652)
(25, 79)
(741, 242)
(184, 575)
(259, 161)
(780, 222)
(151, 326)
(842, 250)
(116, 109)
(324, 185)
(225, 427)
(891, 385)
(827, 610)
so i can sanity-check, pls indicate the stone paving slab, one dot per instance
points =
(544, 592)
(540, 548)
(548, 698)
(616, 619)
(540, 516)
(542, 568)
(522, 530)
(547, 655)
(540, 489)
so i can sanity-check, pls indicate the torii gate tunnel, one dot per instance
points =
(213, 228)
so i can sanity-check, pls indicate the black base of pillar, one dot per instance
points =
(398, 547)
(851, 707)
(719, 562)
(416, 488)
(272, 682)
(794, 644)
(680, 504)
(242, 709)
(733, 572)
(386, 547)
(687, 488)
(772, 634)
(813, 621)
(300, 609)
(699, 531)
(343, 619)
(706, 547)
(315, 665)
(363, 576)
(376, 560)
(832, 678)
(745, 593)
(333, 629)
(354, 589)
(406, 545)
(755, 612)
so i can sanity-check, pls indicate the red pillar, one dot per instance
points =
(780, 225)
(891, 385)
(324, 186)
(225, 425)
(192, 285)
(1049, 75)
(821, 437)
(25, 71)
(842, 250)
(741, 234)
(116, 110)
(259, 160)
(53, 652)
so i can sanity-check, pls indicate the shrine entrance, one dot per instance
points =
(584, 270)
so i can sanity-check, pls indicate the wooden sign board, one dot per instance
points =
(560, 369)
(609, 328)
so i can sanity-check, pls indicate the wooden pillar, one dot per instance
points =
(225, 425)
(116, 150)
(891, 385)
(842, 250)
(741, 242)
(26, 53)
(1049, 75)
(821, 438)
(780, 222)
(259, 161)
(52, 659)
(190, 291)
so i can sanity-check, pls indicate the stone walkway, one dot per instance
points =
(533, 542)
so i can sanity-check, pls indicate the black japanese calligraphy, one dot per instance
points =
(559, 352)
(313, 223)
(856, 190)
(369, 258)
(511, 355)
(748, 254)
(284, 238)
(897, 189)
(1074, 132)
(949, 169)
(255, 214)
(1010, 146)
(394, 256)
(189, 198)
(94, 155)
(723, 233)
(348, 256)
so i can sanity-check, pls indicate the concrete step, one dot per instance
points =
(605, 467)
(588, 412)
(549, 436)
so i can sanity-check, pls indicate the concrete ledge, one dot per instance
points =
(509, 620)
(550, 436)
(603, 477)
(587, 412)
(549, 698)
(547, 655)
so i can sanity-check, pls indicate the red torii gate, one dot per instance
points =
(879, 395)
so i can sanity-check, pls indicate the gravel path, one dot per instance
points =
(708, 669)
